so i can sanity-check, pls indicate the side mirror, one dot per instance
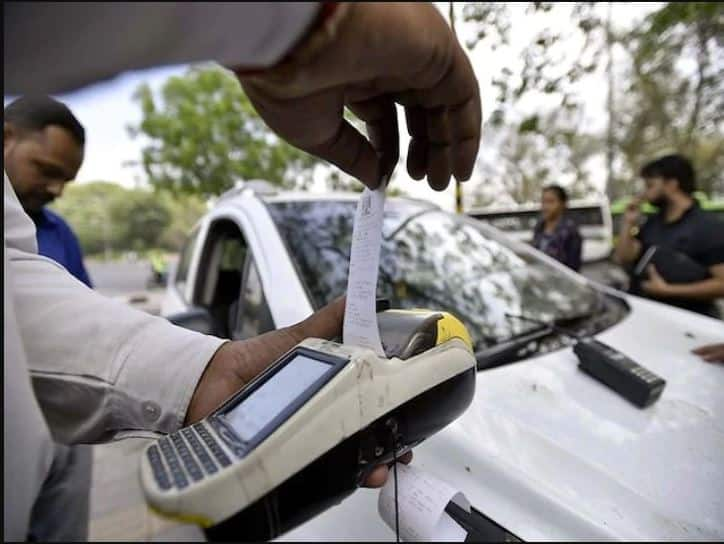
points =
(196, 319)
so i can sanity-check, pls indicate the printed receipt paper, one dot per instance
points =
(360, 313)
(422, 499)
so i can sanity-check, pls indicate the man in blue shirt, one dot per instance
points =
(43, 150)
(57, 241)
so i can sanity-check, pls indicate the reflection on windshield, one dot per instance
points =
(432, 259)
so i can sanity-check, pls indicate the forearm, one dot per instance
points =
(136, 35)
(708, 289)
(98, 366)
(628, 247)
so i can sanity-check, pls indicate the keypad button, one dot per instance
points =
(202, 453)
(159, 471)
(186, 457)
(179, 477)
(213, 445)
(228, 436)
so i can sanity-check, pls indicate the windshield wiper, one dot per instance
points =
(513, 349)
(527, 343)
(407, 221)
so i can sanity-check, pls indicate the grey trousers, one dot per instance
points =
(62, 509)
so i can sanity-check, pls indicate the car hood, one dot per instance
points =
(549, 453)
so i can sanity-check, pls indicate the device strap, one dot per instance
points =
(397, 504)
(394, 436)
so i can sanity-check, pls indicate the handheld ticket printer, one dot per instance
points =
(306, 432)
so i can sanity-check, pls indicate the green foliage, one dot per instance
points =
(545, 69)
(87, 208)
(537, 145)
(665, 108)
(668, 96)
(185, 212)
(202, 135)
(138, 219)
(108, 218)
(530, 124)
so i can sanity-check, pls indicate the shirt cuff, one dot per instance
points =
(159, 375)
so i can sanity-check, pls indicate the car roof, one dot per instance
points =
(271, 195)
(534, 207)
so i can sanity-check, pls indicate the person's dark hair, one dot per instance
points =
(559, 191)
(34, 113)
(675, 167)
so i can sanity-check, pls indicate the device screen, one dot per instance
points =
(258, 409)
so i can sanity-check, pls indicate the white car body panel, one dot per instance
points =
(283, 289)
(172, 302)
(545, 450)
(286, 296)
(550, 454)
(175, 300)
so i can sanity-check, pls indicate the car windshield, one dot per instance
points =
(436, 260)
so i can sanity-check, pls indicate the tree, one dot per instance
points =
(185, 210)
(108, 218)
(87, 207)
(673, 100)
(139, 219)
(668, 96)
(202, 135)
(538, 125)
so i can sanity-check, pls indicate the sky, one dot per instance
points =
(105, 109)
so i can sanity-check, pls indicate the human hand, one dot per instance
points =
(632, 215)
(381, 54)
(656, 285)
(236, 363)
(378, 477)
(712, 353)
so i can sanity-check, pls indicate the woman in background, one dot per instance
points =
(556, 234)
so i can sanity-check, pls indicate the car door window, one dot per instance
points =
(252, 317)
(220, 272)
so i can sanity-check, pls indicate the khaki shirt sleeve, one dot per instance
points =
(53, 47)
(28, 451)
(100, 369)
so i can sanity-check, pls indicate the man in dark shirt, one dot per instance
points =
(42, 151)
(556, 234)
(681, 226)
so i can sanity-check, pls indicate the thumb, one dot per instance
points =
(315, 124)
(653, 273)
(351, 152)
(380, 116)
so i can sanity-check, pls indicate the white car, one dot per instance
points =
(545, 452)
